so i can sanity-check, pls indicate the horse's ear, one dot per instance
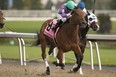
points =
(93, 11)
(88, 13)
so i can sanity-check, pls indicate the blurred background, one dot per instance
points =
(44, 9)
(47, 4)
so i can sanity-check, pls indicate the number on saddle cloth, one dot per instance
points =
(48, 30)
(49, 26)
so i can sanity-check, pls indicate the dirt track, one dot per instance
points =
(36, 69)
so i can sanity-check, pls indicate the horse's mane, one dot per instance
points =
(79, 11)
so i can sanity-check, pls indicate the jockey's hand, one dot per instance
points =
(69, 15)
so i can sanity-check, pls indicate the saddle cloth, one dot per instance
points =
(48, 30)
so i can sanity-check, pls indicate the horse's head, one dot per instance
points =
(78, 18)
(1, 20)
(93, 21)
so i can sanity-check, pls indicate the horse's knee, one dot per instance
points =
(81, 56)
(43, 56)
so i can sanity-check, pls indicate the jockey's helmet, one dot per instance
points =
(81, 5)
(70, 4)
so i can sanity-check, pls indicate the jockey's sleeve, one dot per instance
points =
(61, 11)
(64, 15)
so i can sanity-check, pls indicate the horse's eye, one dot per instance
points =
(90, 19)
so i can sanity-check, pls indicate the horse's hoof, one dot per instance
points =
(72, 71)
(75, 69)
(43, 74)
(48, 71)
(55, 63)
(62, 68)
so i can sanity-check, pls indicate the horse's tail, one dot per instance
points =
(38, 39)
(37, 42)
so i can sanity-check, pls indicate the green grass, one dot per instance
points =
(22, 26)
(12, 52)
(107, 56)
(34, 26)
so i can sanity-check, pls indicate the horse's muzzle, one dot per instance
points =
(1, 25)
(96, 27)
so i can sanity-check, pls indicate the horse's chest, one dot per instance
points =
(68, 46)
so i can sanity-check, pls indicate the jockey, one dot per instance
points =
(64, 12)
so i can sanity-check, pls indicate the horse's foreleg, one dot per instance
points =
(55, 55)
(55, 52)
(60, 58)
(43, 47)
(79, 57)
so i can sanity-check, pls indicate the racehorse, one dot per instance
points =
(67, 39)
(1, 20)
(92, 22)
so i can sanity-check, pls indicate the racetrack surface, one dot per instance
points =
(12, 68)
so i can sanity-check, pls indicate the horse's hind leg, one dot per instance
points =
(43, 47)
(50, 51)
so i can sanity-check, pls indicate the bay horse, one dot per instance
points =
(1, 20)
(67, 39)
(92, 22)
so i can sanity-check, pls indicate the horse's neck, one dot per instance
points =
(83, 32)
(70, 29)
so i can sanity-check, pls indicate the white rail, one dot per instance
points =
(91, 38)
(94, 37)
(21, 41)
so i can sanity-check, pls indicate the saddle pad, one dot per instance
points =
(48, 30)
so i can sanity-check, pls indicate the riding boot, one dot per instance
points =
(57, 25)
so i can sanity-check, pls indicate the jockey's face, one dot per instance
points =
(68, 10)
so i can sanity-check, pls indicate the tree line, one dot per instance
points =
(37, 5)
